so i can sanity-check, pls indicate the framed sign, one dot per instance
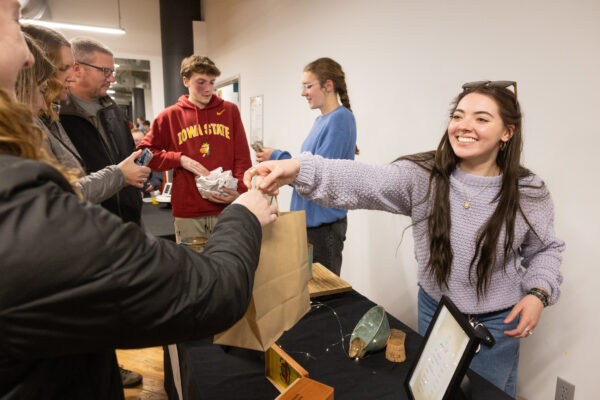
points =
(256, 123)
(444, 357)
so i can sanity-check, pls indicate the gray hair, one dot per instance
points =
(84, 48)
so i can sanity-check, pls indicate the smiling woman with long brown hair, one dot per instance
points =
(482, 223)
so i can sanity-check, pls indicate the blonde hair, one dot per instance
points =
(29, 79)
(198, 64)
(20, 137)
(51, 42)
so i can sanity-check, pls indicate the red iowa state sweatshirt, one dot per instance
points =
(214, 136)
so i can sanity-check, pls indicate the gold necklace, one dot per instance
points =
(468, 199)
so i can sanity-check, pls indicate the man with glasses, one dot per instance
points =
(95, 124)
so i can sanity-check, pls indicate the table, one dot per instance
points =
(211, 371)
(157, 219)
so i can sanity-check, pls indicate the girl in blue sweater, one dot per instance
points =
(333, 135)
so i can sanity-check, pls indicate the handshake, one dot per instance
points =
(268, 177)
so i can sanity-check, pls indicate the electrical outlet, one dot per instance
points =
(564, 390)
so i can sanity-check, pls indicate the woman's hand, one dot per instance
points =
(259, 206)
(264, 155)
(272, 174)
(530, 309)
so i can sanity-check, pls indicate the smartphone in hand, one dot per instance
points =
(144, 159)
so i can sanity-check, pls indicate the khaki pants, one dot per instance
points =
(186, 228)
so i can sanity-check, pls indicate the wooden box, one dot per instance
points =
(281, 369)
(307, 389)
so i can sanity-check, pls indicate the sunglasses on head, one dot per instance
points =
(498, 84)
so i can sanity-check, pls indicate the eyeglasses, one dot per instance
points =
(498, 84)
(106, 71)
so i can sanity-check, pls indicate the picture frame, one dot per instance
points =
(257, 123)
(444, 355)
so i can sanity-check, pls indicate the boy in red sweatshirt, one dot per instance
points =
(198, 134)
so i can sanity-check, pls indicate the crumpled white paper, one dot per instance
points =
(215, 181)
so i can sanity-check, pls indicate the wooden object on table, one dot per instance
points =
(196, 243)
(281, 369)
(307, 389)
(325, 282)
(395, 350)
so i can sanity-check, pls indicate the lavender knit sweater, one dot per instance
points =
(400, 187)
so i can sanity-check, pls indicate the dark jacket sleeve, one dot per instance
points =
(156, 180)
(76, 279)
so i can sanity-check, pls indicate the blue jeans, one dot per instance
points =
(498, 364)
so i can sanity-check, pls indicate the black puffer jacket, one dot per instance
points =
(76, 283)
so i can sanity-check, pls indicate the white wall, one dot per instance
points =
(141, 21)
(405, 60)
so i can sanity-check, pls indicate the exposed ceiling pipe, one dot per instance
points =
(33, 9)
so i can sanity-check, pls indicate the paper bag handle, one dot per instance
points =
(277, 203)
(271, 202)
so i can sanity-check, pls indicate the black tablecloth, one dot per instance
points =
(211, 371)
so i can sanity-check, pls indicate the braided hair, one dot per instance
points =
(327, 69)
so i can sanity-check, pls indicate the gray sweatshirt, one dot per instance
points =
(95, 187)
(401, 186)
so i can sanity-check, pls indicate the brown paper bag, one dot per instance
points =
(280, 295)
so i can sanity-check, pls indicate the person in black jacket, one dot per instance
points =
(78, 283)
(95, 187)
(96, 125)
(122, 289)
